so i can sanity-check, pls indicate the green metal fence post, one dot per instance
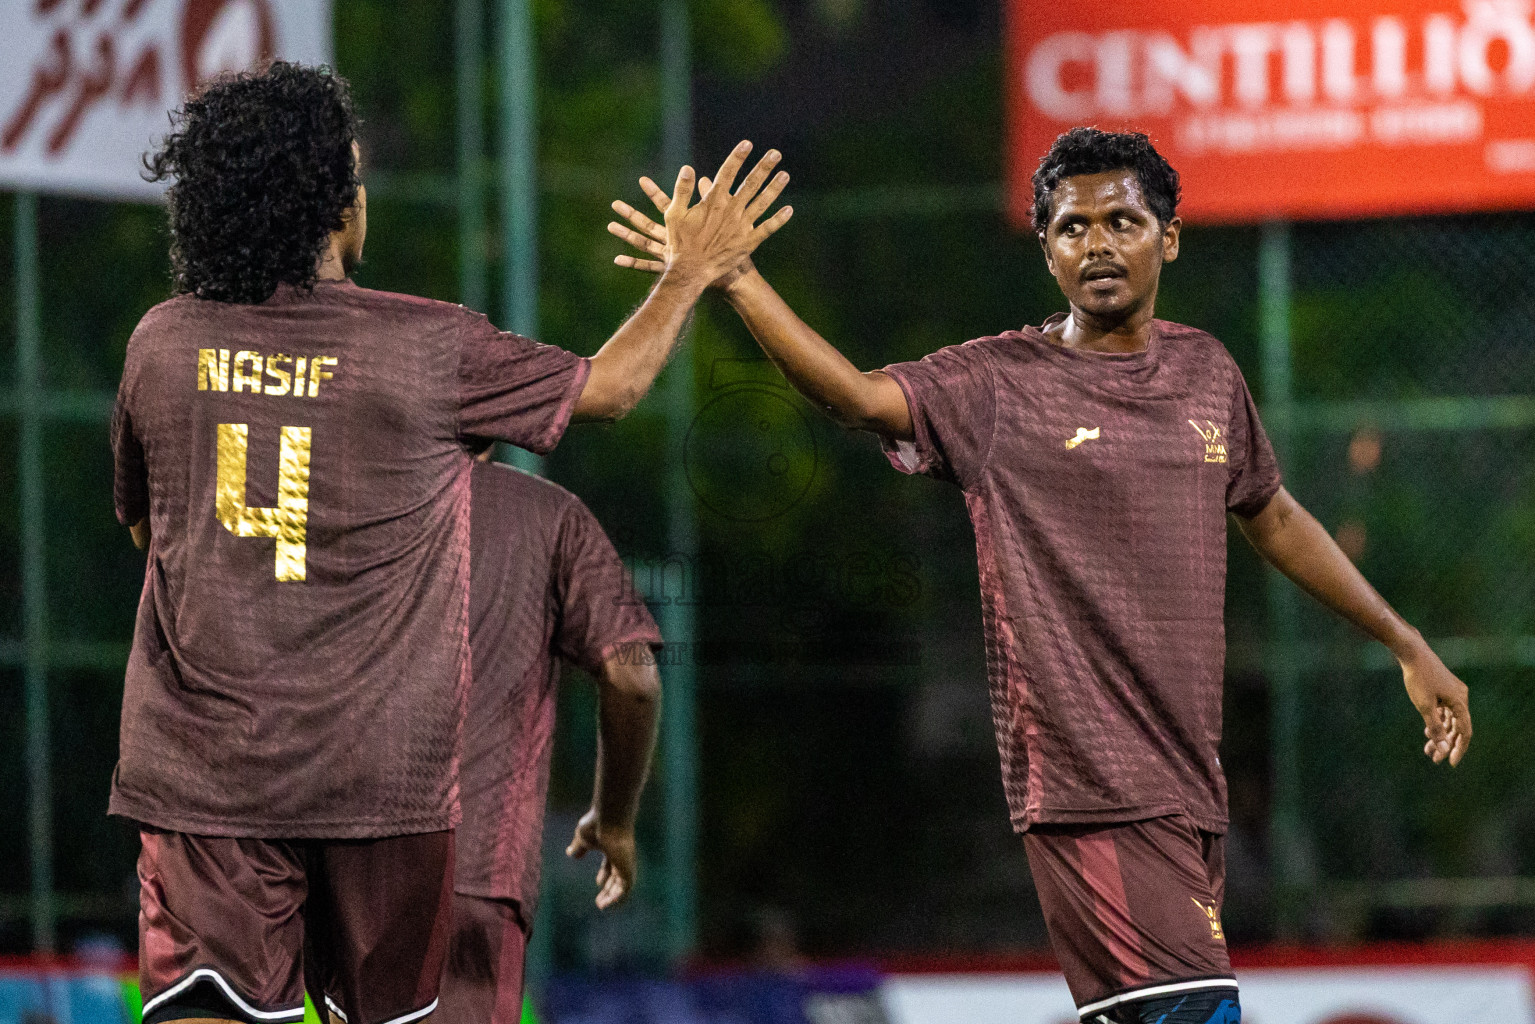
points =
(679, 739)
(1287, 842)
(517, 176)
(34, 595)
(470, 61)
(519, 180)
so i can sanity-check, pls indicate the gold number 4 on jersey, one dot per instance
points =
(289, 521)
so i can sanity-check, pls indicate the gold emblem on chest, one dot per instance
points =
(1215, 443)
(1083, 434)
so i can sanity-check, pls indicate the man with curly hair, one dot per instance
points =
(293, 450)
(1099, 455)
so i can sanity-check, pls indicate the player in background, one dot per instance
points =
(292, 450)
(1099, 455)
(545, 586)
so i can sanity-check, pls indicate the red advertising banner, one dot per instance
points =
(1296, 109)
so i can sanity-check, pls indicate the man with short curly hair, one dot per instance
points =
(1099, 455)
(293, 450)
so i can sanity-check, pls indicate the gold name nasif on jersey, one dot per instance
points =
(260, 374)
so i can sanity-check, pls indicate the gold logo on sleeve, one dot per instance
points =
(1083, 434)
(1215, 444)
(1212, 912)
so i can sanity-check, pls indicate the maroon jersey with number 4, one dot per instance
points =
(1098, 486)
(546, 584)
(300, 661)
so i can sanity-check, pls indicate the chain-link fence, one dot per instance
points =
(850, 798)
(1410, 437)
(1408, 431)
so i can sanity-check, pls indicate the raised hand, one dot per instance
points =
(717, 236)
(650, 238)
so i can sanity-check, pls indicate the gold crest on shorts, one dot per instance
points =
(1213, 913)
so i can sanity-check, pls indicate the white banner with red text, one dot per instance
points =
(86, 86)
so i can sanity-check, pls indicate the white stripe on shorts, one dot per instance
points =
(414, 1014)
(1171, 988)
(229, 993)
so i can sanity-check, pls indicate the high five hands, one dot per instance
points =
(714, 239)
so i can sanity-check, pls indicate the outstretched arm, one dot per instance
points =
(629, 706)
(857, 400)
(712, 237)
(1297, 545)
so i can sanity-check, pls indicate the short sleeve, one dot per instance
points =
(516, 390)
(130, 482)
(1253, 471)
(599, 610)
(952, 396)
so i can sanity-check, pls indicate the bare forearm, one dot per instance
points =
(1297, 545)
(629, 707)
(854, 399)
(627, 365)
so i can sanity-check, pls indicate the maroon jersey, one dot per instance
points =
(545, 584)
(1098, 486)
(301, 657)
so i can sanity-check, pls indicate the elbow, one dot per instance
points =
(645, 689)
(624, 402)
(603, 407)
(859, 411)
(637, 682)
(608, 398)
(847, 416)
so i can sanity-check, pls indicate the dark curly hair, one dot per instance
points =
(263, 172)
(1090, 151)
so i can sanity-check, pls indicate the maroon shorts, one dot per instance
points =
(483, 980)
(235, 929)
(1133, 909)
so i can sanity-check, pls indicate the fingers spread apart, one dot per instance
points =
(682, 194)
(639, 241)
(656, 193)
(631, 263)
(768, 196)
(640, 221)
(759, 174)
(732, 165)
(770, 227)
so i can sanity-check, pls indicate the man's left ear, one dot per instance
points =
(1170, 233)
